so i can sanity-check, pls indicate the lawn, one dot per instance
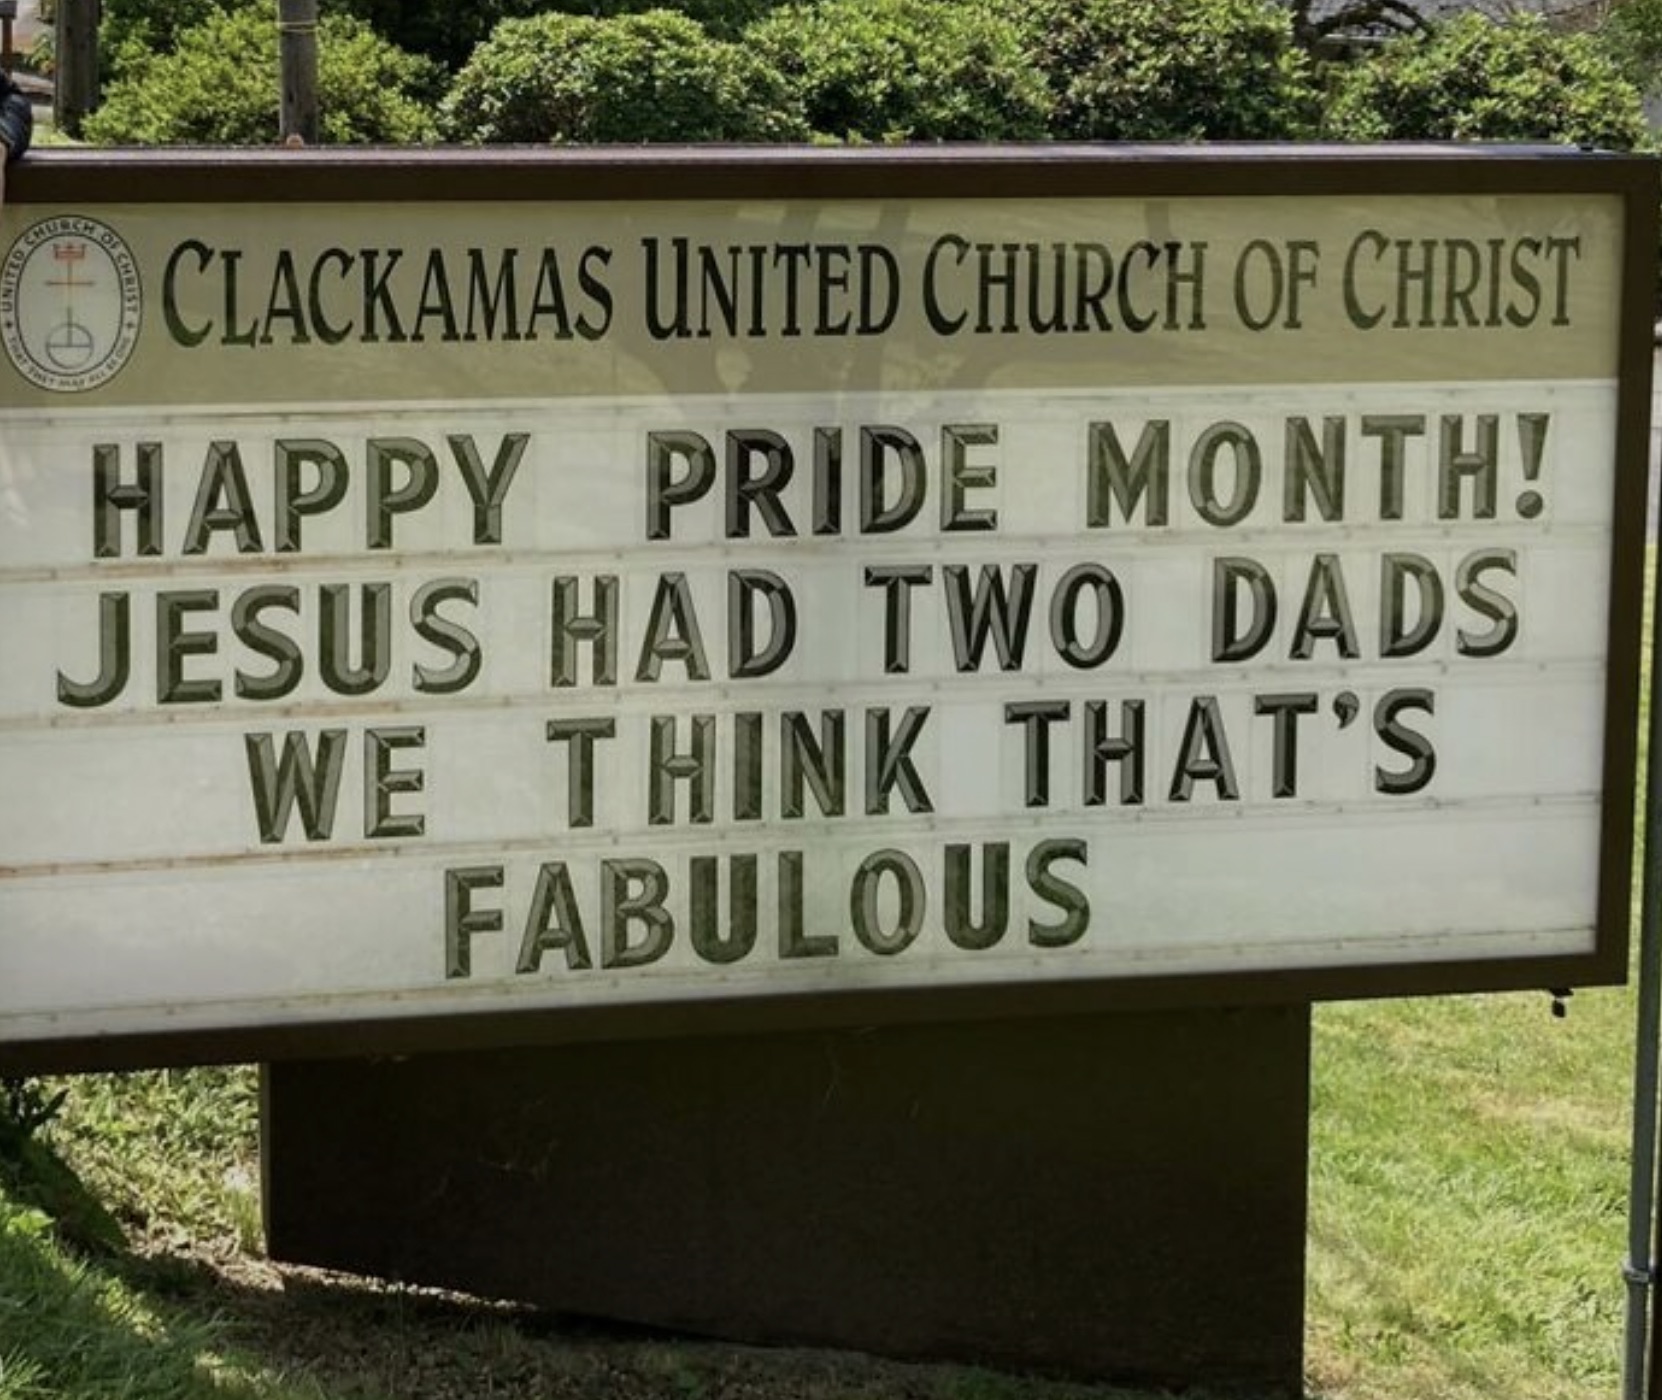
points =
(1469, 1177)
(1468, 1197)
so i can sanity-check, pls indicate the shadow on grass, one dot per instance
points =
(98, 1320)
(70, 1326)
(354, 1339)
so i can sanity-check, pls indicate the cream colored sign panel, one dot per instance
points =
(323, 304)
(467, 607)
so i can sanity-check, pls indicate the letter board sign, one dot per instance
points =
(451, 597)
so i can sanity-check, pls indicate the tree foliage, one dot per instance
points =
(448, 31)
(1328, 29)
(909, 70)
(1172, 70)
(1473, 79)
(655, 76)
(130, 30)
(1632, 36)
(443, 30)
(218, 86)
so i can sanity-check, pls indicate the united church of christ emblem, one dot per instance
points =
(70, 303)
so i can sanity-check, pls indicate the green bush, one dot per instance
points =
(1172, 70)
(908, 70)
(219, 87)
(1473, 79)
(656, 76)
(128, 30)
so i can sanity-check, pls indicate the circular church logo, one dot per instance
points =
(70, 303)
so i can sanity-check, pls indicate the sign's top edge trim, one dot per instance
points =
(937, 153)
(670, 172)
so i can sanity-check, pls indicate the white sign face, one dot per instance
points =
(546, 606)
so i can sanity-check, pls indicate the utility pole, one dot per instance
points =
(297, 35)
(75, 94)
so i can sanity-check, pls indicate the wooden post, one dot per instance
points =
(76, 91)
(297, 30)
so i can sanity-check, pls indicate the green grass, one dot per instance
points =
(1468, 1198)
(174, 1154)
(73, 1330)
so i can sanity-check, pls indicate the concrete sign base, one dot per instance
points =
(1117, 1197)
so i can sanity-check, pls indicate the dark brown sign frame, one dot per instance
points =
(93, 178)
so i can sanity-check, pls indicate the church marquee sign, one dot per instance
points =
(458, 597)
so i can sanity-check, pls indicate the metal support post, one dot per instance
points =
(1639, 1271)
